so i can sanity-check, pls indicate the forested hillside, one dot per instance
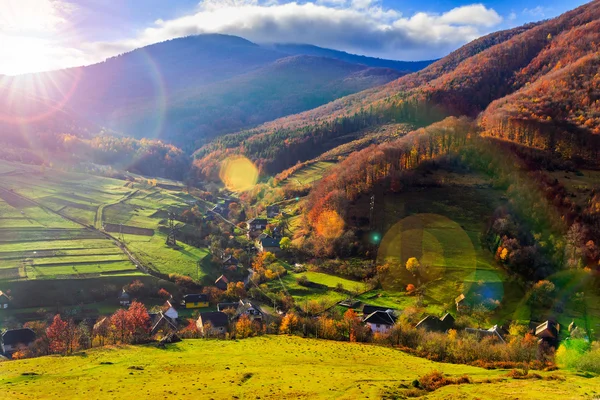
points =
(286, 86)
(186, 90)
(539, 63)
(306, 49)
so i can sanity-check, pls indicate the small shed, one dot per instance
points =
(222, 282)
(461, 303)
(272, 211)
(5, 300)
(124, 299)
(548, 332)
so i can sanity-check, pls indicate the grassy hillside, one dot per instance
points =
(271, 367)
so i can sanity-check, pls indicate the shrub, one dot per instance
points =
(302, 280)
(435, 380)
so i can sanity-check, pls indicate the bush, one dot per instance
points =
(303, 281)
(435, 380)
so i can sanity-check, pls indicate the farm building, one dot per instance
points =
(461, 303)
(230, 261)
(269, 244)
(195, 301)
(548, 332)
(4, 300)
(435, 324)
(256, 224)
(242, 307)
(13, 339)
(494, 332)
(162, 324)
(124, 299)
(212, 323)
(222, 282)
(272, 211)
(380, 321)
(225, 306)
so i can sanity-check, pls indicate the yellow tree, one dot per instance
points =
(243, 328)
(414, 267)
(289, 323)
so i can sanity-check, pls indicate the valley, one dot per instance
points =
(207, 216)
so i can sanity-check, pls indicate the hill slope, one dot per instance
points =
(284, 87)
(174, 80)
(307, 49)
(463, 83)
(270, 367)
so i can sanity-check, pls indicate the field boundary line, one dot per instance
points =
(139, 265)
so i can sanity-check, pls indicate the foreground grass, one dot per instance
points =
(271, 367)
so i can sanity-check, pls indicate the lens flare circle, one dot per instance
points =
(444, 251)
(238, 173)
(330, 225)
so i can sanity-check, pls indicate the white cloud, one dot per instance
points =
(360, 26)
(476, 14)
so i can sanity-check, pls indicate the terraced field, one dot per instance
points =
(309, 173)
(51, 221)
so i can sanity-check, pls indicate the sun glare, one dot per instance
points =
(25, 55)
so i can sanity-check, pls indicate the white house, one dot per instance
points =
(380, 321)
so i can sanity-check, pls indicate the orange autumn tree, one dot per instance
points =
(62, 335)
(288, 323)
(243, 327)
(330, 225)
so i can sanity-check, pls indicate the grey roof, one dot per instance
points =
(494, 332)
(381, 317)
(547, 329)
(258, 221)
(160, 320)
(368, 309)
(14, 337)
(269, 242)
(195, 298)
(225, 306)
(431, 323)
(215, 318)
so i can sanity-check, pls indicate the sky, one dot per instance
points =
(41, 35)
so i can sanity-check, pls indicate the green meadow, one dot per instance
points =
(267, 367)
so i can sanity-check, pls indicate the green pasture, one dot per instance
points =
(267, 367)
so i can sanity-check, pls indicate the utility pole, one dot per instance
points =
(372, 213)
(171, 236)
